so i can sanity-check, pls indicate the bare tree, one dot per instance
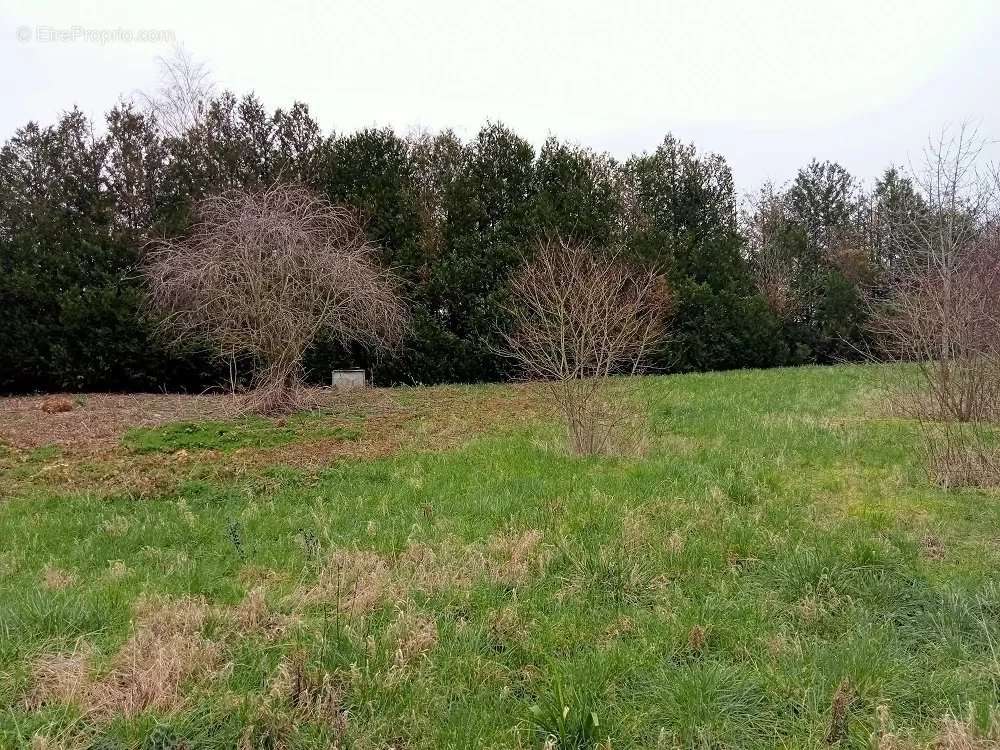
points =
(578, 317)
(776, 276)
(184, 91)
(940, 308)
(263, 274)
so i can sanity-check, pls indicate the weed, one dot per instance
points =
(565, 716)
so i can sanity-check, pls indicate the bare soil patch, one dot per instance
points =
(99, 420)
(89, 453)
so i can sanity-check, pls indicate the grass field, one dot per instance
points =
(428, 568)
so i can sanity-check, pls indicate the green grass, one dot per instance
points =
(778, 539)
(248, 432)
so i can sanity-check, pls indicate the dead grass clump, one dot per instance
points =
(932, 546)
(56, 405)
(415, 635)
(359, 581)
(839, 707)
(697, 639)
(962, 735)
(165, 650)
(447, 566)
(524, 556)
(312, 694)
(675, 543)
(117, 526)
(62, 678)
(56, 579)
(253, 615)
(44, 742)
(504, 624)
(356, 580)
(952, 734)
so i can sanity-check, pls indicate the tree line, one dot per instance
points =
(776, 280)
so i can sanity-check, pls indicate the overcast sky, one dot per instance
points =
(767, 83)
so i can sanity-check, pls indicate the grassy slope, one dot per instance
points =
(774, 542)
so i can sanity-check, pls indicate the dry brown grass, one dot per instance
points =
(61, 678)
(697, 639)
(839, 708)
(932, 547)
(56, 405)
(44, 742)
(298, 692)
(56, 579)
(359, 581)
(253, 615)
(952, 734)
(312, 694)
(414, 635)
(165, 651)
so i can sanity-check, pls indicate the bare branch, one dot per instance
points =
(941, 307)
(184, 91)
(578, 317)
(263, 274)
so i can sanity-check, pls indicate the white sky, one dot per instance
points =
(767, 83)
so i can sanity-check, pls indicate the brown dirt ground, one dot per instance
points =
(91, 455)
(100, 419)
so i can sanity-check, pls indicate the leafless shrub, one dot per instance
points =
(764, 222)
(947, 320)
(263, 274)
(961, 454)
(580, 316)
(939, 309)
(775, 281)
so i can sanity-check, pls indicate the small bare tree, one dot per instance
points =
(940, 310)
(263, 274)
(777, 279)
(578, 317)
(183, 94)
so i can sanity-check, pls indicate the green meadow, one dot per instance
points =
(774, 570)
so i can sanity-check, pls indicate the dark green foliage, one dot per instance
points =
(106, 742)
(72, 209)
(452, 218)
(576, 194)
(831, 242)
(164, 738)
